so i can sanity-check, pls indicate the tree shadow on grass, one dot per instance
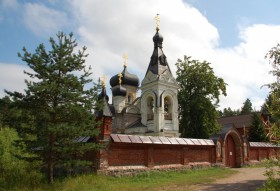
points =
(250, 185)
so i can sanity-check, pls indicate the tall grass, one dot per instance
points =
(145, 181)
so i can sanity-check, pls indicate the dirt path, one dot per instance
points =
(247, 179)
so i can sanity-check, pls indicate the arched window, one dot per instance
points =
(150, 108)
(129, 98)
(167, 108)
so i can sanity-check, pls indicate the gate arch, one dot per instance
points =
(233, 149)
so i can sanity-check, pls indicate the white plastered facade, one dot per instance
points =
(158, 88)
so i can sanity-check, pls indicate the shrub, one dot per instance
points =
(14, 172)
(272, 173)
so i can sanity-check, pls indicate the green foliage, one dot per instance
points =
(198, 97)
(247, 107)
(273, 108)
(273, 182)
(273, 100)
(227, 112)
(146, 181)
(5, 111)
(58, 104)
(257, 131)
(14, 172)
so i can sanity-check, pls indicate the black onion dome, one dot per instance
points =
(119, 91)
(103, 95)
(158, 39)
(127, 79)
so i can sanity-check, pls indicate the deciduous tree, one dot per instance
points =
(273, 107)
(198, 97)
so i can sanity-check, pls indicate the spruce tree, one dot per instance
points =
(247, 107)
(60, 99)
(257, 131)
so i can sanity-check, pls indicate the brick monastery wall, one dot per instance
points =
(261, 153)
(125, 154)
(130, 154)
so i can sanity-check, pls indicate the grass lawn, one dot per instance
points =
(146, 181)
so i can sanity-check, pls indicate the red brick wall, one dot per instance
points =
(167, 155)
(273, 153)
(260, 153)
(263, 153)
(198, 155)
(122, 155)
(107, 127)
(253, 154)
(126, 154)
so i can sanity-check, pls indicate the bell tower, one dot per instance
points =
(159, 103)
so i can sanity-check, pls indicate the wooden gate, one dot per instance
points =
(230, 152)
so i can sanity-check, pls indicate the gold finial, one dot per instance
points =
(103, 81)
(157, 21)
(125, 57)
(120, 78)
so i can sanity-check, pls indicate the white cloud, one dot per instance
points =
(44, 21)
(244, 67)
(12, 78)
(111, 28)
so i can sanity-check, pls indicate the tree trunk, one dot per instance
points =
(50, 162)
(50, 172)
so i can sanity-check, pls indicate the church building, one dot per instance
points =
(155, 111)
(142, 131)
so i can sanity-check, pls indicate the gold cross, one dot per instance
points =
(120, 78)
(125, 57)
(157, 21)
(103, 80)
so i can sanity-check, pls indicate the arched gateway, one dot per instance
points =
(229, 143)
(233, 149)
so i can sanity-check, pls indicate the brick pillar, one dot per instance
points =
(103, 157)
(184, 158)
(150, 159)
(212, 155)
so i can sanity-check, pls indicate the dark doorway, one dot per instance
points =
(230, 152)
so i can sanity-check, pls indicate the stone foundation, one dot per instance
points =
(135, 170)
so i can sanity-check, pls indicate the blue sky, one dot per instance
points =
(233, 35)
(228, 16)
